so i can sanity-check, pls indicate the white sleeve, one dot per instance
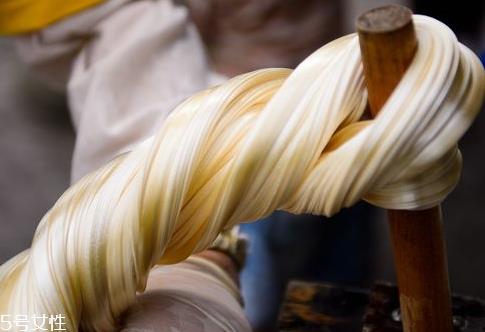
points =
(126, 65)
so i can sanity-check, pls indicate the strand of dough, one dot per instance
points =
(267, 140)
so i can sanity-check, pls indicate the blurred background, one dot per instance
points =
(36, 138)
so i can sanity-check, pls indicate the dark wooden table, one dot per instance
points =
(321, 307)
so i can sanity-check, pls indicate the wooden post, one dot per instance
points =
(388, 43)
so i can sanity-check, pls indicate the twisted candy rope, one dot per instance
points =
(267, 140)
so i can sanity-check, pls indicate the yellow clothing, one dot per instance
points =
(21, 16)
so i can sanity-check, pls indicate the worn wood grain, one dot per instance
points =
(320, 307)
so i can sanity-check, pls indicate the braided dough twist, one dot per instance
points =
(267, 140)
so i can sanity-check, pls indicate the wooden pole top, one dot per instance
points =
(388, 43)
(384, 19)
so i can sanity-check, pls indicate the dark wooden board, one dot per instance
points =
(323, 307)
(312, 307)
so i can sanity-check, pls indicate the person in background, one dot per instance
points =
(124, 65)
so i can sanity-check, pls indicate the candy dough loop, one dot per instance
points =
(273, 139)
